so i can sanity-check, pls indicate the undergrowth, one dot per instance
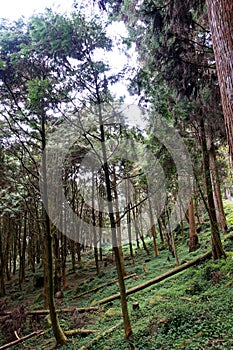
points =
(190, 310)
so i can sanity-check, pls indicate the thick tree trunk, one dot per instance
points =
(220, 13)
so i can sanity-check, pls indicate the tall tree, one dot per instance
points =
(220, 14)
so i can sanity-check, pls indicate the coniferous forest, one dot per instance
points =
(116, 196)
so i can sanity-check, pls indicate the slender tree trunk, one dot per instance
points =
(63, 257)
(15, 239)
(128, 208)
(161, 230)
(220, 13)
(138, 233)
(72, 245)
(57, 270)
(217, 247)
(2, 277)
(168, 233)
(196, 205)
(193, 237)
(127, 325)
(57, 331)
(172, 244)
(23, 250)
(31, 249)
(152, 227)
(94, 225)
(118, 221)
(221, 218)
(7, 250)
(129, 227)
(100, 225)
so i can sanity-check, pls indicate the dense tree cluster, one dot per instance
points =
(52, 87)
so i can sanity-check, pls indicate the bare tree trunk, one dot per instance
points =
(217, 247)
(193, 237)
(94, 226)
(23, 251)
(57, 270)
(118, 222)
(2, 277)
(220, 15)
(57, 331)
(152, 227)
(138, 233)
(127, 325)
(221, 218)
(128, 208)
(161, 230)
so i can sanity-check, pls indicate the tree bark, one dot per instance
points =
(220, 14)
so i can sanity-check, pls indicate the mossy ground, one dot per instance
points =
(190, 310)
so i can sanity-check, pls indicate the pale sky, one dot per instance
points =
(14, 9)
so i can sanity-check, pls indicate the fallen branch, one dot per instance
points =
(102, 286)
(46, 312)
(185, 298)
(20, 340)
(158, 278)
(82, 332)
(96, 339)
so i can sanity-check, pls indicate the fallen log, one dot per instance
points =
(46, 312)
(21, 340)
(158, 278)
(99, 336)
(102, 286)
(82, 332)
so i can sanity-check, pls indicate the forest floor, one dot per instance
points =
(190, 310)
